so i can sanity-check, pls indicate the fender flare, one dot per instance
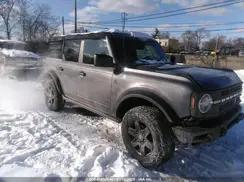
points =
(152, 98)
(54, 77)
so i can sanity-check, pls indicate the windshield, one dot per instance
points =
(8, 45)
(135, 51)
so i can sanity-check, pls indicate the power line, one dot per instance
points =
(236, 29)
(152, 16)
(183, 25)
(209, 30)
(212, 5)
(186, 12)
(183, 9)
(203, 7)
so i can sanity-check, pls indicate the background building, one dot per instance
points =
(169, 45)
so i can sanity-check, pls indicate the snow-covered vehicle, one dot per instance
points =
(16, 61)
(241, 53)
(127, 77)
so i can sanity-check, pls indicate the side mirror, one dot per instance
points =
(102, 60)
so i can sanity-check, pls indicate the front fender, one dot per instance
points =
(149, 96)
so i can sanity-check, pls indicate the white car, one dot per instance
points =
(14, 59)
(241, 53)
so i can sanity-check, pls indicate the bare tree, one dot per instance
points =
(238, 43)
(39, 24)
(160, 35)
(189, 41)
(24, 6)
(215, 42)
(164, 35)
(8, 13)
(200, 35)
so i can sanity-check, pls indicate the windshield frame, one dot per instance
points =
(121, 45)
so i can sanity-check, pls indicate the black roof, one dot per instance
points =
(90, 35)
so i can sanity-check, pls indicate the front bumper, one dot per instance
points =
(21, 71)
(204, 134)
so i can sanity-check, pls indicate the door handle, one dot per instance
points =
(82, 74)
(60, 68)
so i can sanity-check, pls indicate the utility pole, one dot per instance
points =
(217, 63)
(75, 16)
(123, 18)
(63, 25)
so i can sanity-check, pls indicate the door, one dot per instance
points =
(69, 68)
(95, 86)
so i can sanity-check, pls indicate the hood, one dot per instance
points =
(207, 78)
(19, 54)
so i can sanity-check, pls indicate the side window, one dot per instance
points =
(72, 50)
(55, 49)
(92, 47)
(147, 53)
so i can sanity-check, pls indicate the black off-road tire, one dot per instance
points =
(154, 128)
(53, 98)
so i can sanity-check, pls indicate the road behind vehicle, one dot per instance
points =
(127, 77)
(17, 62)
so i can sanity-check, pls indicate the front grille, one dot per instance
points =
(229, 104)
(229, 98)
(232, 90)
(210, 123)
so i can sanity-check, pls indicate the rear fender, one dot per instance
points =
(52, 75)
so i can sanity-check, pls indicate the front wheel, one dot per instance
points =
(147, 136)
(53, 98)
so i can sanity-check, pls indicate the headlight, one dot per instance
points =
(205, 103)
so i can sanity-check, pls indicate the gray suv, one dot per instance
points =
(127, 78)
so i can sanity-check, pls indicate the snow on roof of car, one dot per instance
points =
(19, 54)
(11, 41)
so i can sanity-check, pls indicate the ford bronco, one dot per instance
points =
(127, 77)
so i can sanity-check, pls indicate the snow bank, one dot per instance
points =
(11, 41)
(21, 96)
(38, 143)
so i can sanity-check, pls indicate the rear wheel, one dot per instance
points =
(147, 136)
(53, 98)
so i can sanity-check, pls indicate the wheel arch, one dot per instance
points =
(145, 98)
(51, 74)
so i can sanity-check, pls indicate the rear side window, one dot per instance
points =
(55, 49)
(72, 50)
(92, 47)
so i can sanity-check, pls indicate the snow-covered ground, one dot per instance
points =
(35, 142)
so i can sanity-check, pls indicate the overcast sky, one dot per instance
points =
(106, 10)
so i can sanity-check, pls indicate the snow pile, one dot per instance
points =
(11, 41)
(37, 143)
(62, 145)
(21, 96)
